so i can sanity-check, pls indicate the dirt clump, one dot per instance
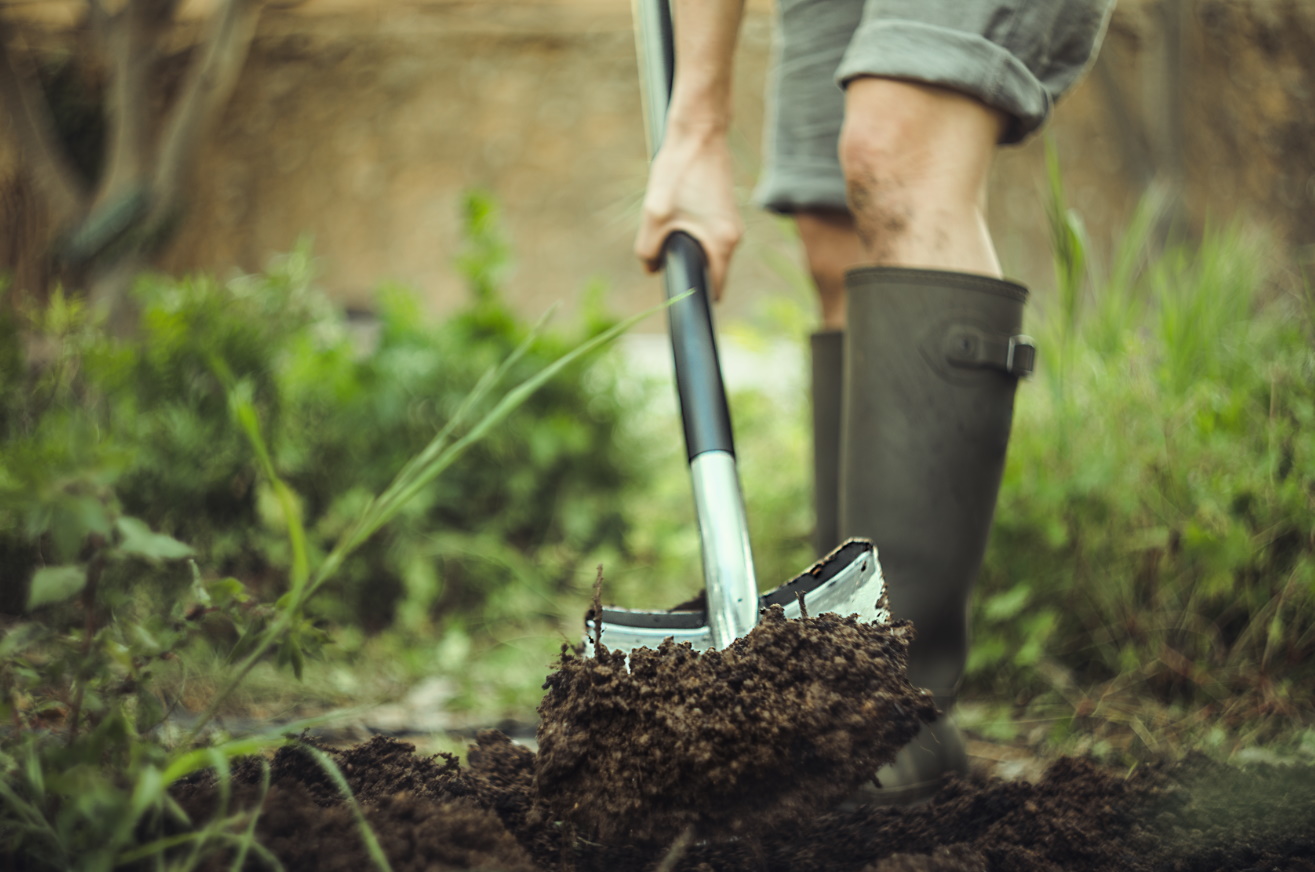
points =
(783, 723)
(426, 812)
(1196, 816)
(732, 761)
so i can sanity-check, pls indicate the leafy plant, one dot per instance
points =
(1153, 533)
(88, 797)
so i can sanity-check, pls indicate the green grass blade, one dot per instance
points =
(244, 412)
(387, 504)
(402, 489)
(203, 758)
(36, 821)
(159, 847)
(331, 769)
(147, 793)
(248, 837)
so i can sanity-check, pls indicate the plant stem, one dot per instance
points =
(94, 571)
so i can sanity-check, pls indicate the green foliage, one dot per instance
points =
(340, 415)
(207, 386)
(1153, 534)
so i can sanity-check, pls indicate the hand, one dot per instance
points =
(690, 189)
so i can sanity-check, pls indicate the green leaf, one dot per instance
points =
(1004, 606)
(16, 640)
(226, 591)
(150, 711)
(73, 520)
(290, 654)
(199, 591)
(139, 540)
(53, 584)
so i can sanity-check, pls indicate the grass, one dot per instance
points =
(1152, 571)
(85, 793)
(496, 658)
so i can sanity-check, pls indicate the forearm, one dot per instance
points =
(689, 186)
(705, 32)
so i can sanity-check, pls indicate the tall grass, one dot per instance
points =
(1155, 535)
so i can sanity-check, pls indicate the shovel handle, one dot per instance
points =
(732, 592)
(656, 38)
(699, 383)
(702, 393)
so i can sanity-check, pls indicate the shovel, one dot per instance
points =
(848, 580)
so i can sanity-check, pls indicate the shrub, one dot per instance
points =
(83, 782)
(341, 416)
(1154, 530)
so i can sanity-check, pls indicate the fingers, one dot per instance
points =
(649, 242)
(690, 189)
(718, 239)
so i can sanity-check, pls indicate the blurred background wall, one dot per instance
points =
(362, 122)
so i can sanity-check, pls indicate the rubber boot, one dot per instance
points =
(930, 366)
(828, 347)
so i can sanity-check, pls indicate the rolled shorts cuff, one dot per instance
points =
(962, 61)
(792, 186)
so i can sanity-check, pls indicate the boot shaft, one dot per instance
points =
(931, 362)
(828, 356)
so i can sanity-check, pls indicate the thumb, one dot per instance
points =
(649, 243)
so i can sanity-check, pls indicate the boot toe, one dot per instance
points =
(920, 769)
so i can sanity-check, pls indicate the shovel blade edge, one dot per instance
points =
(847, 581)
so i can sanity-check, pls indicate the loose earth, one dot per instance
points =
(734, 760)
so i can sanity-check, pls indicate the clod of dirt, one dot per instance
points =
(426, 813)
(429, 814)
(779, 726)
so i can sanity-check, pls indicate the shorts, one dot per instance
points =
(1018, 56)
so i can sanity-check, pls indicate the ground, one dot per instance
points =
(690, 762)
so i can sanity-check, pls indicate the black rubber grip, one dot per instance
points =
(693, 342)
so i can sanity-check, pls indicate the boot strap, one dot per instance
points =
(971, 347)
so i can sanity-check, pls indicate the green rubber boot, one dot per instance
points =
(931, 362)
(828, 359)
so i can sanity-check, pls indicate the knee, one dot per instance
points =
(888, 134)
(904, 138)
(880, 180)
(884, 155)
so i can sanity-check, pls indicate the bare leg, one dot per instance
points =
(921, 452)
(916, 160)
(831, 246)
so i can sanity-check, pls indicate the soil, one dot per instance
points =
(732, 761)
(429, 813)
(788, 720)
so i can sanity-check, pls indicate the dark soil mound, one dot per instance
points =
(728, 761)
(429, 814)
(786, 721)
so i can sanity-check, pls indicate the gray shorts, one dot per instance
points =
(1017, 56)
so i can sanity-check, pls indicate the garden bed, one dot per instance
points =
(428, 813)
(648, 768)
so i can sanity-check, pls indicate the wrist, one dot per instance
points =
(702, 127)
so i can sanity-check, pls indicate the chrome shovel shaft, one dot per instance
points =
(727, 561)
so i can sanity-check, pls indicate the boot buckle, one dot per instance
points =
(1020, 359)
(971, 347)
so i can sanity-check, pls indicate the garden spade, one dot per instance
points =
(846, 581)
